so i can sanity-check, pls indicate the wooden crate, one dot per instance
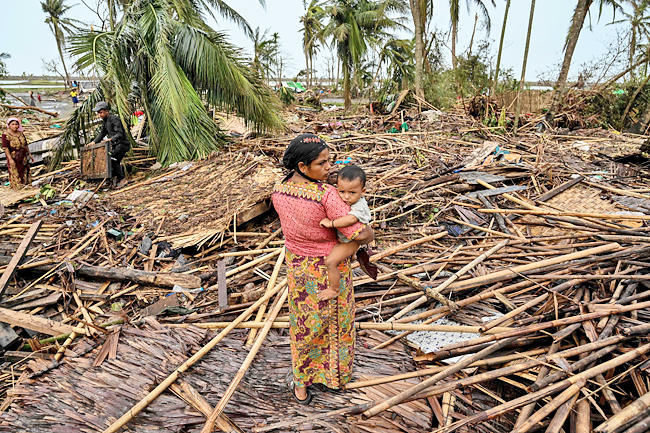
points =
(96, 161)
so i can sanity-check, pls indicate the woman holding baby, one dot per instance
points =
(321, 311)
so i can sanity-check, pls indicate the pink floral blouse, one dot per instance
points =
(301, 207)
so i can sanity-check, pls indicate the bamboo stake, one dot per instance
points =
(190, 362)
(399, 398)
(269, 286)
(583, 418)
(561, 415)
(218, 410)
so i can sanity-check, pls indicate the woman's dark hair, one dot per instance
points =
(13, 122)
(304, 148)
(351, 172)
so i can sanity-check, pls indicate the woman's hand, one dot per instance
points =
(366, 236)
(327, 223)
(31, 157)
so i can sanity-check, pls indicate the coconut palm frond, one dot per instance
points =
(163, 58)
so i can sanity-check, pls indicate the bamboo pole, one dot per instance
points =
(255, 262)
(477, 281)
(433, 370)
(218, 410)
(419, 285)
(526, 330)
(190, 362)
(537, 417)
(550, 390)
(527, 410)
(514, 312)
(561, 415)
(399, 398)
(619, 419)
(379, 326)
(560, 374)
(610, 216)
(390, 251)
(516, 368)
(465, 269)
(269, 286)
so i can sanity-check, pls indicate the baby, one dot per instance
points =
(351, 185)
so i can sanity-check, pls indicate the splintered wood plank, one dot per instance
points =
(35, 323)
(18, 257)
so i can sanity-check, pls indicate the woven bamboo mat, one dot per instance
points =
(576, 199)
(77, 397)
(10, 196)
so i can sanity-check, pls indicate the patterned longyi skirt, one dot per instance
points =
(322, 332)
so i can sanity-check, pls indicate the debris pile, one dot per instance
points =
(512, 294)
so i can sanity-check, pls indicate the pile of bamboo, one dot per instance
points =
(540, 258)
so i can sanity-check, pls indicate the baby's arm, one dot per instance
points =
(345, 221)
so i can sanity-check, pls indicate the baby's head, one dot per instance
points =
(351, 184)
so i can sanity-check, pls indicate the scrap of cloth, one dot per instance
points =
(322, 332)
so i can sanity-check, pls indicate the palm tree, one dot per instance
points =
(577, 22)
(503, 33)
(59, 24)
(265, 51)
(312, 28)
(639, 21)
(454, 13)
(353, 26)
(219, 6)
(523, 68)
(419, 13)
(3, 65)
(164, 59)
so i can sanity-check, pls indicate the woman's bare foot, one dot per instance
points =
(326, 295)
(301, 392)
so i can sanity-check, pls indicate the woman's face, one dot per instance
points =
(13, 126)
(319, 169)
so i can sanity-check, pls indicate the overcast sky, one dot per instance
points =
(26, 37)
